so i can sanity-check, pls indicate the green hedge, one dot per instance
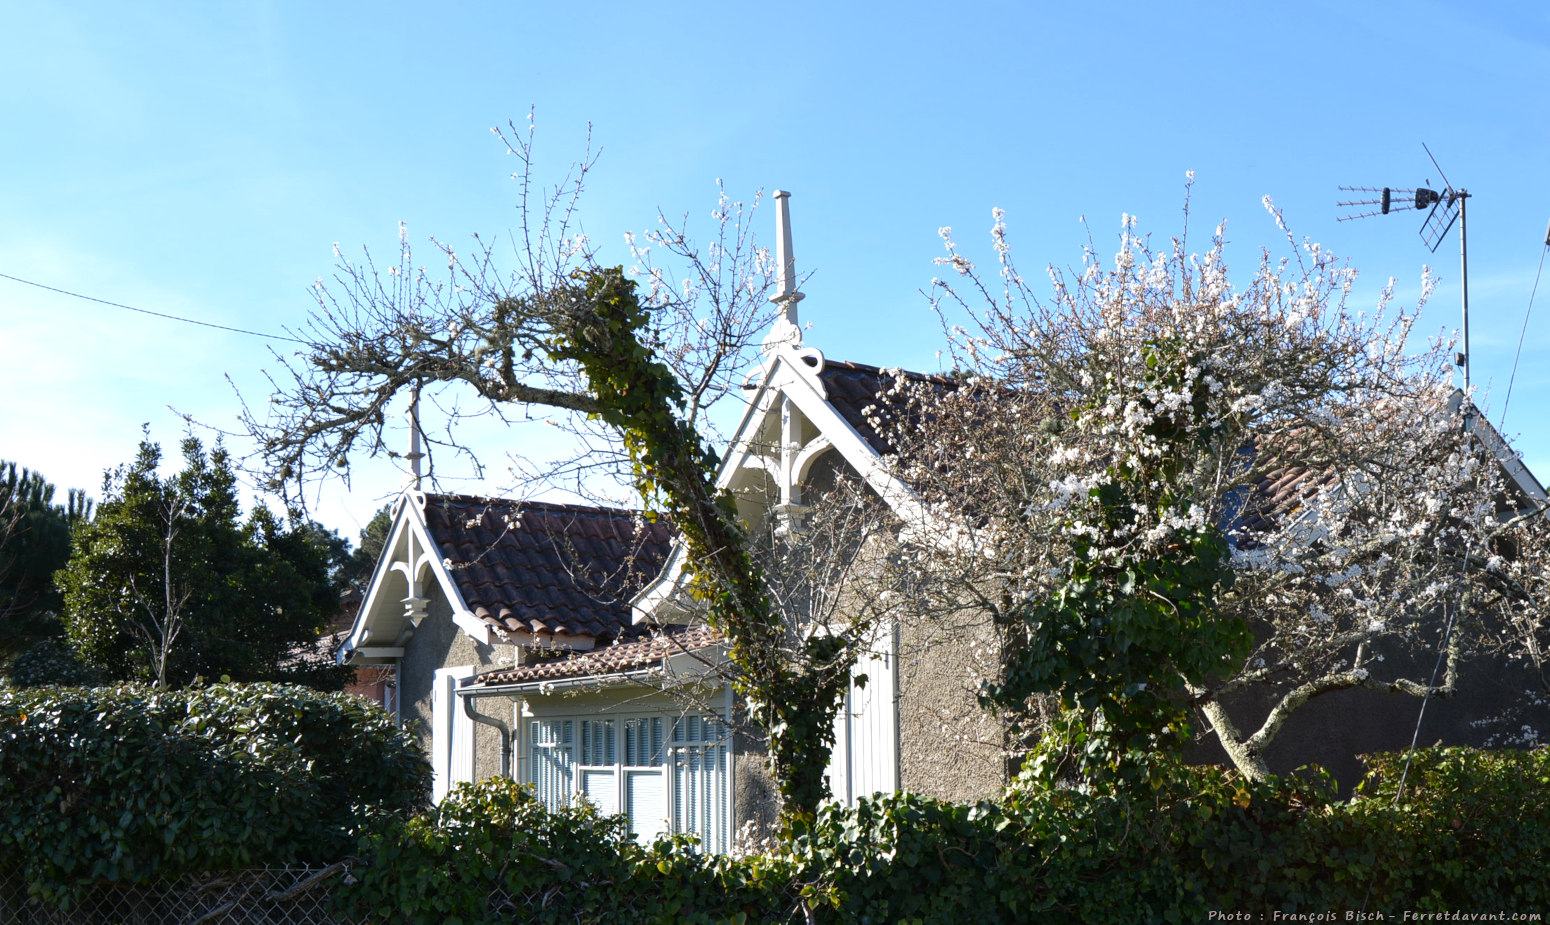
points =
(576, 865)
(1472, 834)
(129, 783)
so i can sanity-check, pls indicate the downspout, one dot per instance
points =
(492, 722)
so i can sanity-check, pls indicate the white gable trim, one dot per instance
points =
(1505, 455)
(792, 373)
(856, 451)
(383, 624)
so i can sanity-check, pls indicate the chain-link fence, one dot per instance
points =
(273, 896)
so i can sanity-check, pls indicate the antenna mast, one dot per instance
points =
(1446, 207)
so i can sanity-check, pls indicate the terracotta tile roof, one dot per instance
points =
(1277, 495)
(560, 569)
(647, 647)
(855, 387)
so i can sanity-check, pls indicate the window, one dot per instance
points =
(699, 760)
(665, 773)
(551, 761)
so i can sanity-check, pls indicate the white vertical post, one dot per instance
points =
(412, 480)
(787, 327)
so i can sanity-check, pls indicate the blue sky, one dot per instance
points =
(201, 160)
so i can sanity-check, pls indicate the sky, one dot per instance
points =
(202, 160)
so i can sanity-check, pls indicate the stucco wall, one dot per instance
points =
(950, 747)
(439, 643)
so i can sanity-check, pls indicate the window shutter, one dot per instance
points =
(452, 733)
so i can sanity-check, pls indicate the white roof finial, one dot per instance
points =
(787, 328)
(412, 480)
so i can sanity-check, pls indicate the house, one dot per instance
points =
(543, 641)
(547, 641)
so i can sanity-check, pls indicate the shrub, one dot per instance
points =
(1471, 835)
(127, 783)
(492, 853)
(50, 662)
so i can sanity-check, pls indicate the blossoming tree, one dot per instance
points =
(1177, 490)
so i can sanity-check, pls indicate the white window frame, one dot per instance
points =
(669, 757)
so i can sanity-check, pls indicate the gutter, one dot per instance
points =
(659, 672)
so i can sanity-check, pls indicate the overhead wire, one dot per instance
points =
(146, 311)
(1524, 333)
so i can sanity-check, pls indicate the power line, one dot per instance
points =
(1523, 333)
(146, 311)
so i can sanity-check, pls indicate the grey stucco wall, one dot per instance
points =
(439, 643)
(950, 747)
(487, 742)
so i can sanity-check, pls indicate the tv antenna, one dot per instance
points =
(1447, 206)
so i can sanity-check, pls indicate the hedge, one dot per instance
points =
(1471, 834)
(491, 853)
(129, 783)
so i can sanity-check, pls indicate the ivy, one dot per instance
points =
(794, 700)
(1473, 835)
(1131, 624)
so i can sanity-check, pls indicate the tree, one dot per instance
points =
(631, 372)
(34, 544)
(1178, 490)
(356, 572)
(168, 585)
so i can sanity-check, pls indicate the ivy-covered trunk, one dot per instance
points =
(794, 701)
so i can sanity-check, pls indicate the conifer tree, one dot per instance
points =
(168, 583)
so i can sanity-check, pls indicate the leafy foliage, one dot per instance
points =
(1470, 834)
(1110, 433)
(128, 783)
(34, 544)
(492, 853)
(50, 662)
(355, 571)
(168, 565)
(631, 373)
(793, 700)
(1203, 840)
(1124, 634)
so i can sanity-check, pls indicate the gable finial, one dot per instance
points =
(412, 480)
(787, 328)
